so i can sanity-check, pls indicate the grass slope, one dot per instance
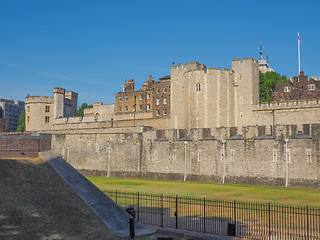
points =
(294, 196)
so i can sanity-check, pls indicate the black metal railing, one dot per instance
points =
(242, 219)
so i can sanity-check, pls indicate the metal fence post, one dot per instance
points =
(307, 222)
(235, 215)
(161, 210)
(204, 214)
(138, 205)
(177, 211)
(269, 221)
(116, 196)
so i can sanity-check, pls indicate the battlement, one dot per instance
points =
(244, 61)
(59, 90)
(190, 66)
(71, 94)
(37, 99)
(292, 104)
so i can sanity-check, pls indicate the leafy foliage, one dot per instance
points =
(80, 111)
(267, 84)
(22, 121)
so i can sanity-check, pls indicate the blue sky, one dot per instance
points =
(92, 47)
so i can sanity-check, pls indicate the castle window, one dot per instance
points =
(140, 96)
(126, 98)
(148, 96)
(158, 101)
(231, 155)
(47, 119)
(199, 155)
(164, 111)
(275, 157)
(309, 160)
(164, 101)
(311, 87)
(120, 109)
(286, 89)
(28, 109)
(140, 108)
(120, 99)
(28, 118)
(198, 87)
(47, 109)
(148, 107)
(164, 90)
(157, 91)
(241, 116)
(126, 108)
(157, 113)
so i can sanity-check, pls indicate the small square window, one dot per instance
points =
(311, 87)
(286, 89)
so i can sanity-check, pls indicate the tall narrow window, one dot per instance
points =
(156, 155)
(164, 90)
(157, 113)
(47, 119)
(199, 155)
(198, 87)
(126, 98)
(47, 109)
(126, 108)
(120, 109)
(164, 112)
(157, 91)
(140, 96)
(309, 160)
(120, 99)
(164, 101)
(148, 96)
(148, 107)
(275, 157)
(231, 155)
(140, 108)
(158, 101)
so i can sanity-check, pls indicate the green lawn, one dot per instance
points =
(294, 196)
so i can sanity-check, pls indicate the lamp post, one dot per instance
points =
(185, 161)
(68, 154)
(109, 151)
(224, 160)
(287, 162)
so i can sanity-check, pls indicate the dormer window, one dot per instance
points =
(286, 89)
(311, 87)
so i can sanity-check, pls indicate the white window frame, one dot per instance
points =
(164, 112)
(126, 108)
(164, 90)
(120, 109)
(157, 91)
(158, 101)
(148, 95)
(164, 101)
(120, 99)
(311, 87)
(140, 108)
(157, 113)
(148, 107)
(140, 97)
(287, 89)
(126, 98)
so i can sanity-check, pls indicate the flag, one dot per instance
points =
(299, 39)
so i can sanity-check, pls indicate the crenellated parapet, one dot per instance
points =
(39, 99)
(292, 104)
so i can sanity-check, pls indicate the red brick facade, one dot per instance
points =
(23, 145)
(299, 88)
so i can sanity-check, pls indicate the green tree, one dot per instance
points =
(22, 121)
(80, 111)
(267, 84)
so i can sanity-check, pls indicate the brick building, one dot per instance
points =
(153, 99)
(299, 88)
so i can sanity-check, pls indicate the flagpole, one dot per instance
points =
(299, 52)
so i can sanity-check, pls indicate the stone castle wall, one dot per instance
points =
(253, 157)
